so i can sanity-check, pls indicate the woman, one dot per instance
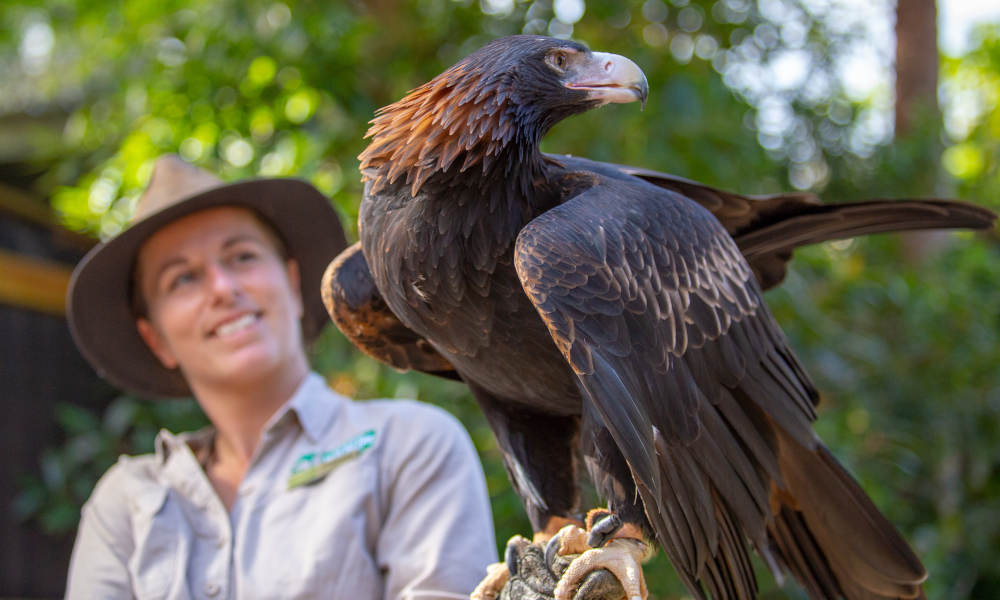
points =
(294, 491)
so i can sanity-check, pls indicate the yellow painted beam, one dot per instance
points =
(33, 283)
(20, 204)
(22, 207)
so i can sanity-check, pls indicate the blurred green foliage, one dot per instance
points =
(907, 352)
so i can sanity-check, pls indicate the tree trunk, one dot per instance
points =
(917, 116)
(916, 61)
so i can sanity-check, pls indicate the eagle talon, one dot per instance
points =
(604, 530)
(572, 540)
(498, 574)
(511, 554)
(551, 549)
(621, 556)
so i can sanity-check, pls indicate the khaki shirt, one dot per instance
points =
(342, 499)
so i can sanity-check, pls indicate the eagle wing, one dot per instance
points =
(767, 228)
(659, 315)
(361, 314)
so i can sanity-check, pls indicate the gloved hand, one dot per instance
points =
(534, 574)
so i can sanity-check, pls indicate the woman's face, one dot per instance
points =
(221, 302)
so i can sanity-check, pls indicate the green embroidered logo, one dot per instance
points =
(314, 466)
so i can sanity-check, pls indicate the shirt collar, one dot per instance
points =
(314, 404)
(167, 443)
(181, 469)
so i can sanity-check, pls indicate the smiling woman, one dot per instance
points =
(220, 297)
(214, 292)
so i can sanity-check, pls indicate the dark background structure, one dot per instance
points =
(39, 369)
(901, 334)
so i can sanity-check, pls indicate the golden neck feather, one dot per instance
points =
(457, 114)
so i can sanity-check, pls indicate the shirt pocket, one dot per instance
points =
(322, 536)
(157, 535)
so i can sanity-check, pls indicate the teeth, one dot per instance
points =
(237, 325)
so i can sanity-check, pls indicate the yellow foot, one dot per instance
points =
(570, 540)
(489, 588)
(622, 556)
(554, 526)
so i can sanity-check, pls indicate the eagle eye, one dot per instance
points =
(558, 59)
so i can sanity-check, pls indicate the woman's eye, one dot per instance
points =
(246, 256)
(181, 279)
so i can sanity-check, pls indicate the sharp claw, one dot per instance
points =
(620, 556)
(510, 557)
(551, 548)
(601, 532)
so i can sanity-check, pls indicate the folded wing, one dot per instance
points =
(768, 228)
(361, 314)
(659, 315)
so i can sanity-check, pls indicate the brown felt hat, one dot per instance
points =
(99, 297)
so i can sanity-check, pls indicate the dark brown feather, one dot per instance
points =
(738, 445)
(357, 308)
(768, 228)
(615, 309)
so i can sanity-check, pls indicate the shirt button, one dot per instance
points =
(220, 543)
(211, 589)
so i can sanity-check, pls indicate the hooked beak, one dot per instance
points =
(610, 78)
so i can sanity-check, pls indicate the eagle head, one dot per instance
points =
(506, 95)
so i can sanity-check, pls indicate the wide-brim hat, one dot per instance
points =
(99, 306)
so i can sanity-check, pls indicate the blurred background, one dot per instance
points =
(847, 98)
